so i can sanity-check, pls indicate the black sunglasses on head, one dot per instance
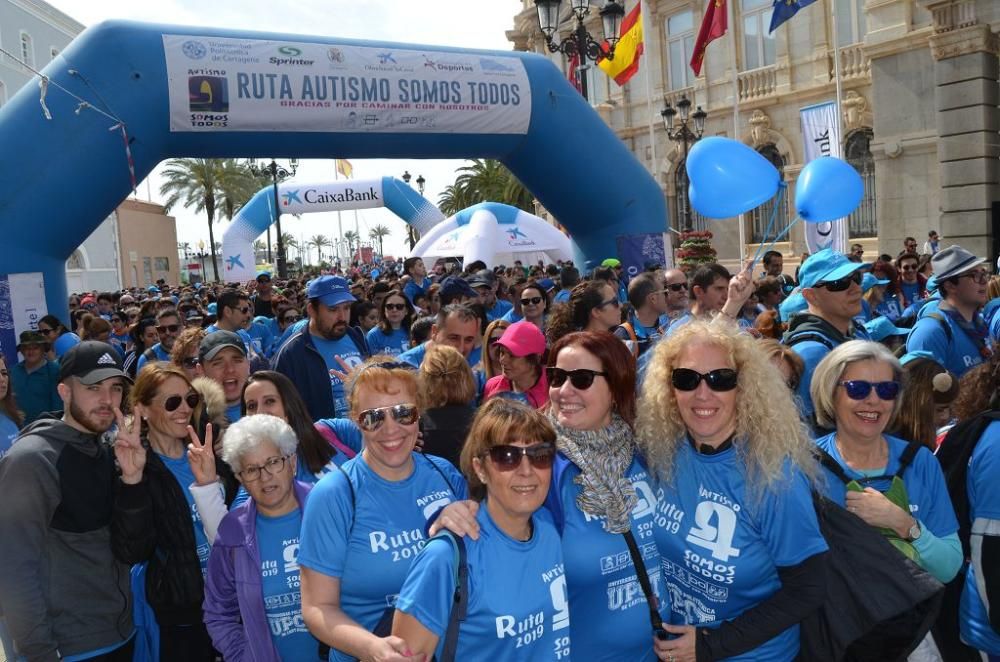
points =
(581, 378)
(841, 284)
(721, 379)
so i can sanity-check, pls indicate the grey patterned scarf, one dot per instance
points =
(603, 456)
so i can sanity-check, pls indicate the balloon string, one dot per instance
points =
(781, 234)
(770, 224)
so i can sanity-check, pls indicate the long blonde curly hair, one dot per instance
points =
(768, 426)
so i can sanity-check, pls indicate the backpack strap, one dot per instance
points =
(354, 499)
(643, 576)
(447, 482)
(906, 458)
(460, 606)
(554, 498)
(149, 355)
(943, 322)
(829, 463)
(630, 330)
(331, 436)
(805, 336)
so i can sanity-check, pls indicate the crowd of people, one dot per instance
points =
(510, 463)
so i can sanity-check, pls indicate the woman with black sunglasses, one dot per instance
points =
(515, 604)
(60, 338)
(593, 306)
(893, 484)
(364, 524)
(600, 492)
(392, 335)
(172, 501)
(743, 556)
(534, 304)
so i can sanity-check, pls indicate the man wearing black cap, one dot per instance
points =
(223, 357)
(64, 594)
(485, 284)
(262, 300)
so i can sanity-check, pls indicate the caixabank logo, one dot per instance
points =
(208, 94)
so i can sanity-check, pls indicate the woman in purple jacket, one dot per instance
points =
(253, 608)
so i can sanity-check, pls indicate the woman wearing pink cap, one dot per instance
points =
(522, 356)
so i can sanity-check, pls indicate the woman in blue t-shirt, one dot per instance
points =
(60, 338)
(323, 445)
(392, 335)
(517, 606)
(364, 523)
(10, 418)
(253, 607)
(743, 557)
(600, 491)
(855, 389)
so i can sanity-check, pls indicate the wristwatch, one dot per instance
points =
(914, 533)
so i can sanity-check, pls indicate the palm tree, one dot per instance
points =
(319, 241)
(377, 233)
(481, 181)
(211, 185)
(353, 239)
(289, 242)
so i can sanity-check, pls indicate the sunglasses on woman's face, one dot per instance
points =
(174, 401)
(289, 319)
(610, 302)
(721, 379)
(581, 378)
(859, 389)
(371, 420)
(508, 458)
(531, 301)
(395, 306)
(494, 340)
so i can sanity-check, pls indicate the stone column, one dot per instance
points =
(965, 97)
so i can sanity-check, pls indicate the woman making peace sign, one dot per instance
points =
(164, 523)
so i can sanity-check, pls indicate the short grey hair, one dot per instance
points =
(248, 433)
(827, 376)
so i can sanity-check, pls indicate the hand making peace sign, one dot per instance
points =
(201, 456)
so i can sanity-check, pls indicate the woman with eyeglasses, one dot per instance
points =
(120, 338)
(491, 357)
(392, 335)
(593, 306)
(516, 607)
(364, 524)
(174, 494)
(600, 493)
(534, 304)
(522, 375)
(742, 551)
(253, 606)
(323, 446)
(893, 484)
(60, 338)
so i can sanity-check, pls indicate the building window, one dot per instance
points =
(758, 45)
(680, 47)
(685, 215)
(161, 264)
(75, 261)
(863, 222)
(851, 23)
(147, 270)
(761, 216)
(27, 50)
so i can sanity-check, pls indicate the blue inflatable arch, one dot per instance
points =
(72, 171)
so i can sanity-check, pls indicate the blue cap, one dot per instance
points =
(881, 328)
(869, 281)
(932, 284)
(197, 285)
(453, 287)
(547, 284)
(825, 266)
(264, 274)
(918, 354)
(212, 308)
(330, 290)
(153, 288)
(795, 303)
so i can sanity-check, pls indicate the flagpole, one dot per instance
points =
(649, 94)
(340, 222)
(736, 112)
(844, 229)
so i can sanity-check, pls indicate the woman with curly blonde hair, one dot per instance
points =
(722, 434)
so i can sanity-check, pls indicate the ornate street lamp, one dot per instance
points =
(411, 234)
(684, 135)
(278, 174)
(579, 42)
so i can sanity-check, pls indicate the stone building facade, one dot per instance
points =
(919, 85)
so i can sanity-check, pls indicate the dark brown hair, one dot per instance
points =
(616, 360)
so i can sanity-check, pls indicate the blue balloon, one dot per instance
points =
(728, 178)
(828, 188)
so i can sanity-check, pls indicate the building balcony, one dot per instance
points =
(673, 96)
(854, 63)
(758, 84)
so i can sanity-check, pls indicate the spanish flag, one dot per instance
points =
(627, 50)
(345, 168)
(713, 25)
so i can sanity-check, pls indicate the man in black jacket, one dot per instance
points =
(63, 592)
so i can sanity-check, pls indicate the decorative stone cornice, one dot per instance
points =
(976, 38)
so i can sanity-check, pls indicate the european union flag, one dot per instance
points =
(785, 9)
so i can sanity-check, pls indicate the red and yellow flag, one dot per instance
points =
(713, 26)
(628, 49)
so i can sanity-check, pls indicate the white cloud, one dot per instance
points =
(459, 23)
